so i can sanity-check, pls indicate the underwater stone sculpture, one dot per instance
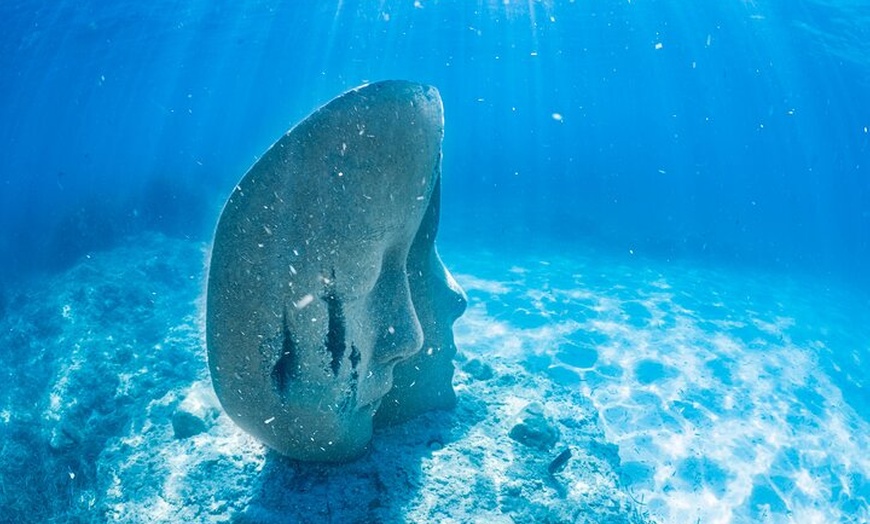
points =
(327, 301)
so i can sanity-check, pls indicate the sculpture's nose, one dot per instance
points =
(399, 333)
(451, 297)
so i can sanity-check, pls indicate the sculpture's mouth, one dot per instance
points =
(375, 387)
(395, 360)
(372, 406)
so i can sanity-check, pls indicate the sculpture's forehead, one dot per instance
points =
(363, 162)
(347, 184)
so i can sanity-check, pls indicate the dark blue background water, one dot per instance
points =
(734, 132)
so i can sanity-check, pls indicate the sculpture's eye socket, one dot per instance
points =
(285, 369)
(336, 334)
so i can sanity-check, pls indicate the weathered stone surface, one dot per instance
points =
(325, 291)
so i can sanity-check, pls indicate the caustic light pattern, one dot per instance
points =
(732, 397)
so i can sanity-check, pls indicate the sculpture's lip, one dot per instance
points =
(372, 398)
(373, 405)
(395, 360)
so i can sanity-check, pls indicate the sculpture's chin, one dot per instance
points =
(332, 441)
(420, 384)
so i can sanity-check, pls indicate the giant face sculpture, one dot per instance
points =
(324, 279)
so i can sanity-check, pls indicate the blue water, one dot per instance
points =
(717, 154)
(735, 133)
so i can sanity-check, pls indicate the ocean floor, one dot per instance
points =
(732, 396)
(683, 394)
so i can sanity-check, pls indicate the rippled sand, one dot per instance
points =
(733, 396)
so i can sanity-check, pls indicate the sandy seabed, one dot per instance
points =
(683, 393)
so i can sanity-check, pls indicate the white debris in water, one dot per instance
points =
(304, 301)
(557, 117)
(659, 45)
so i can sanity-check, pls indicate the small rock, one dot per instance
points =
(533, 429)
(478, 370)
(64, 436)
(558, 463)
(186, 424)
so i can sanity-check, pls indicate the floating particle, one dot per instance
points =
(557, 117)
(709, 39)
(659, 45)
(304, 301)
